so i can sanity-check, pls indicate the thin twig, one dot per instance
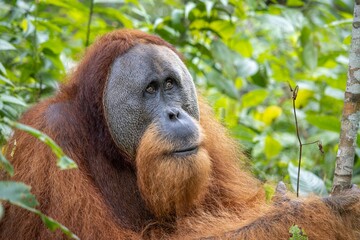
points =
(294, 96)
(36, 53)
(295, 92)
(317, 141)
(89, 22)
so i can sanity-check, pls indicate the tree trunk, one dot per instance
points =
(351, 112)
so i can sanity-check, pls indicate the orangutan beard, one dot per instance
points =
(170, 184)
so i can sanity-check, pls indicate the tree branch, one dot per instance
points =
(351, 112)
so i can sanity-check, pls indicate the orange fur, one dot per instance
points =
(170, 185)
(112, 196)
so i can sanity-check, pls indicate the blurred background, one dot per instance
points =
(242, 54)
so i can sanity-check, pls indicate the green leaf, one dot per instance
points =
(272, 147)
(232, 63)
(276, 24)
(189, 6)
(269, 191)
(72, 5)
(209, 6)
(225, 57)
(51, 223)
(203, 49)
(242, 46)
(4, 163)
(270, 114)
(5, 80)
(49, 25)
(347, 40)
(2, 69)
(157, 22)
(260, 78)
(309, 182)
(309, 55)
(297, 233)
(295, 3)
(17, 193)
(224, 2)
(246, 67)
(224, 28)
(5, 130)
(4, 46)
(54, 45)
(325, 122)
(54, 225)
(116, 14)
(199, 24)
(176, 16)
(243, 133)
(9, 111)
(228, 87)
(63, 161)
(11, 99)
(254, 98)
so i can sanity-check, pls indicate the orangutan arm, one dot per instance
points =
(335, 217)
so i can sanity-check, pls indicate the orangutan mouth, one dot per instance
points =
(186, 151)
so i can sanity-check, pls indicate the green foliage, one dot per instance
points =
(241, 54)
(297, 233)
(64, 162)
(4, 163)
(309, 182)
(269, 192)
(30, 68)
(19, 195)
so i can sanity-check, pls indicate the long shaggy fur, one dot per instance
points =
(169, 185)
(112, 196)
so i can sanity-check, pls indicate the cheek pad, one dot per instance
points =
(123, 113)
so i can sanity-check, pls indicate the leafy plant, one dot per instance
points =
(297, 233)
(241, 54)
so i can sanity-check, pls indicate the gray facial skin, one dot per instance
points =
(150, 84)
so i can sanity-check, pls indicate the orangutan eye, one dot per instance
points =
(151, 88)
(169, 84)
